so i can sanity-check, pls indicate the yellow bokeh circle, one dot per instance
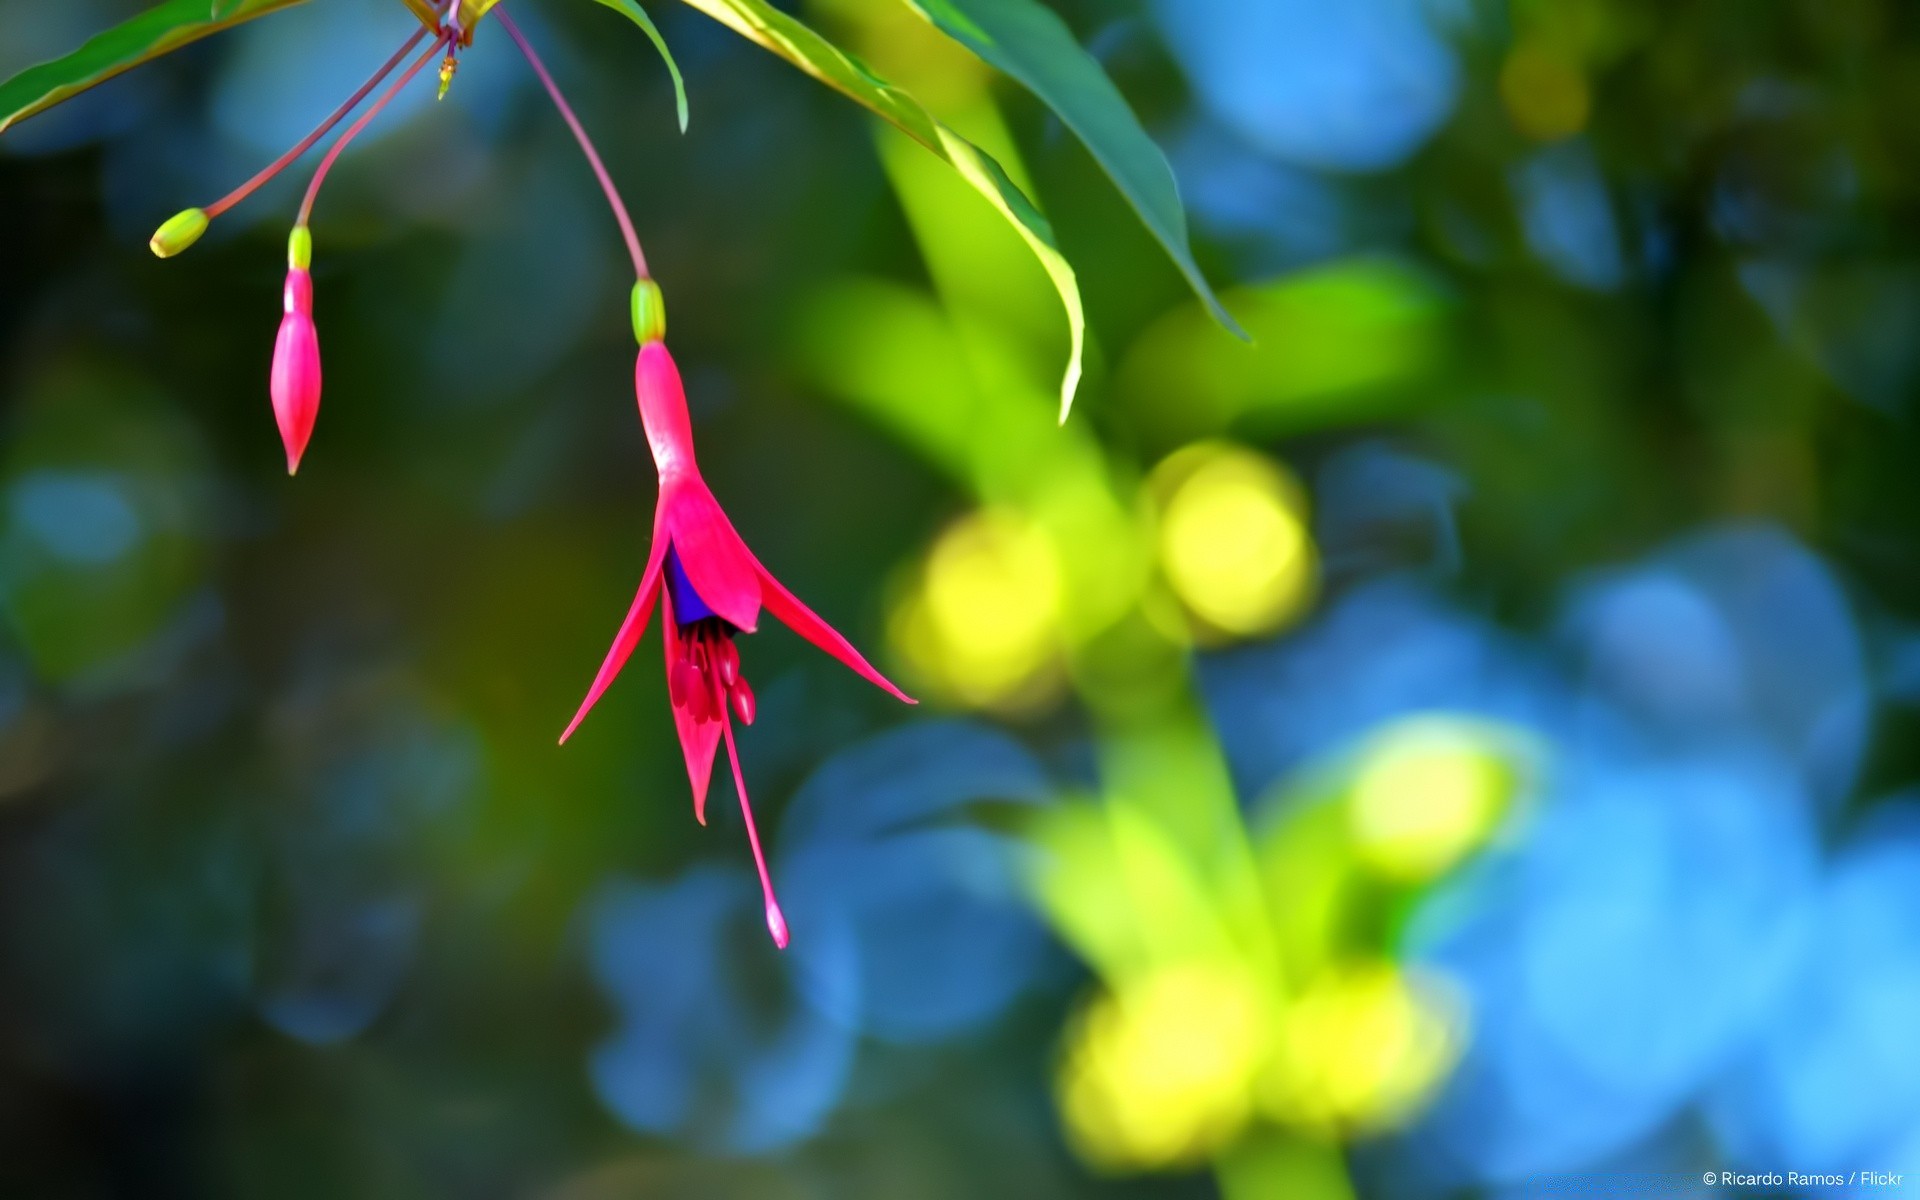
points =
(983, 622)
(1428, 791)
(1363, 1046)
(1162, 1072)
(1234, 542)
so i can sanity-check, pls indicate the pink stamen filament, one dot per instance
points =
(586, 143)
(285, 160)
(353, 131)
(776, 921)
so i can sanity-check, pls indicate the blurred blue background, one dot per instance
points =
(1459, 745)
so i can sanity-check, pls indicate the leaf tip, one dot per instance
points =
(1226, 321)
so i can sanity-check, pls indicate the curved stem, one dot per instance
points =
(353, 131)
(586, 143)
(285, 160)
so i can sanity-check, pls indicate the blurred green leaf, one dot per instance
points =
(1337, 344)
(638, 16)
(1027, 41)
(760, 22)
(102, 541)
(159, 30)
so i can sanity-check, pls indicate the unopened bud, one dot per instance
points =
(649, 312)
(295, 382)
(182, 229)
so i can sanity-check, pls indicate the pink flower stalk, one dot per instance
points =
(710, 588)
(184, 228)
(296, 355)
(295, 382)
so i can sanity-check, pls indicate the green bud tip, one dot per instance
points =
(649, 312)
(300, 248)
(182, 229)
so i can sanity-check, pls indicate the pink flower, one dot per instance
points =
(710, 588)
(296, 366)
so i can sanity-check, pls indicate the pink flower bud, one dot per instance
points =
(296, 368)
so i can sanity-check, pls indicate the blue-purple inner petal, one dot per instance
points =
(688, 607)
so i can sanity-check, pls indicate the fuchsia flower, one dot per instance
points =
(296, 355)
(702, 577)
(709, 588)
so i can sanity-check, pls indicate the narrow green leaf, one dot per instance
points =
(1025, 39)
(784, 35)
(638, 16)
(160, 29)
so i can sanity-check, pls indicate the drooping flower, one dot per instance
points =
(296, 354)
(700, 574)
(709, 589)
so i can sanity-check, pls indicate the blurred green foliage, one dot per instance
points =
(302, 900)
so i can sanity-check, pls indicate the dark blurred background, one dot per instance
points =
(1460, 746)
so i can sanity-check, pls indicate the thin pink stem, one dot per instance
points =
(586, 143)
(353, 130)
(285, 160)
(776, 921)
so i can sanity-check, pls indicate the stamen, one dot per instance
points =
(776, 921)
(286, 160)
(353, 131)
(700, 704)
(586, 143)
(743, 702)
(681, 681)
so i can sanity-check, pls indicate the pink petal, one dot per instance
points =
(786, 607)
(716, 561)
(663, 410)
(630, 631)
(698, 739)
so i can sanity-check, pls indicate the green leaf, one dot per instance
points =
(760, 22)
(1026, 40)
(638, 16)
(162, 28)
